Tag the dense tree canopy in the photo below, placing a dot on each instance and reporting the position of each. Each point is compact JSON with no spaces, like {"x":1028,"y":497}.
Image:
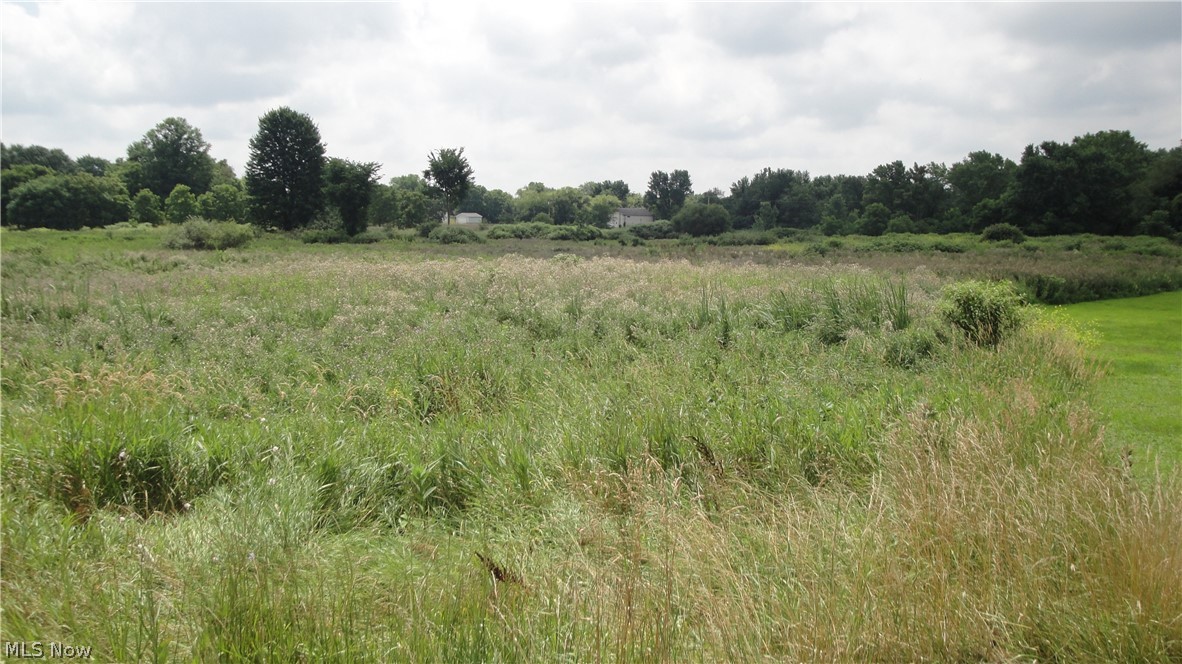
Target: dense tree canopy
{"x":349,"y":187}
{"x":68,"y":202}
{"x":667,"y":192}
{"x":700,"y":219}
{"x":36,"y":155}
{"x":284,"y":175}
{"x":171,"y":153}
{"x":223,"y":202}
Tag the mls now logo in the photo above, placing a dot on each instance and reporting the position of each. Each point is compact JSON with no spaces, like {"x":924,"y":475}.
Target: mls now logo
{"x":37,"y":650}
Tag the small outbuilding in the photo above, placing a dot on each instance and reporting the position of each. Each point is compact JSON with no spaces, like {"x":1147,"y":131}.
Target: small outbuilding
{"x":625,"y":217}
{"x":469,"y":218}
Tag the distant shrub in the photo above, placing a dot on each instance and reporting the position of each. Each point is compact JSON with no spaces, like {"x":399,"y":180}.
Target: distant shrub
{"x":324,"y":236}
{"x":658,"y":230}
{"x":428,"y":227}
{"x":199,"y":233}
{"x":542,"y":218}
{"x":986,"y":312}
{"x":521,"y":231}
{"x":574,"y":233}
{"x":1003,"y":232}
{"x":948,"y":247}
{"x":373,"y":234}
{"x":453,"y":235}
{"x":744,"y":238}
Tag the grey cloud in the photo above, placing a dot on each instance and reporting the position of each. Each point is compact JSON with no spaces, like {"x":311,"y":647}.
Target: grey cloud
{"x":1094,"y":27}
{"x":764,"y":29}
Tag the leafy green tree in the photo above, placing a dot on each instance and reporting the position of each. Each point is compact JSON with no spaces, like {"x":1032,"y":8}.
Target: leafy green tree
{"x":131,"y":173}
{"x":414,"y":209}
{"x":874,"y":220}
{"x":409,"y":182}
{"x":449,"y":177}
{"x":617,"y":188}
{"x":495,"y":205}
{"x":67,"y":202}
{"x":223,"y":202}
{"x":532,"y":200}
{"x":981,"y":176}
{"x":698,"y":219}
{"x":223,"y":173}
{"x":171,"y":153}
{"x":667,"y":192}
{"x":12,"y":178}
{"x":96,"y":166}
{"x":146,"y":208}
{"x":181,"y":204}
{"x":383,"y":206}
{"x":714,"y":195}
{"x":599,"y":210}
{"x":36,"y":155}
{"x":284,"y":174}
{"x":565,"y":205}
{"x":348,"y":187}
{"x":887,"y":185}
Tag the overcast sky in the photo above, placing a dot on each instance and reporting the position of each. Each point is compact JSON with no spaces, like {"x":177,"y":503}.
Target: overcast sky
{"x":563,"y":94}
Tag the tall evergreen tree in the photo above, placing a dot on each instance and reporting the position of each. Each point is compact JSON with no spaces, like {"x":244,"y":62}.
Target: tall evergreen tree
{"x":284,"y":175}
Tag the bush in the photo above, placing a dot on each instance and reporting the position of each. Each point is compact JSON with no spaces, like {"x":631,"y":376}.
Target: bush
{"x":522,"y":231}
{"x":908,"y":348}
{"x":1003,"y":232}
{"x":68,"y":202}
{"x":574,"y":233}
{"x":744,"y":238}
{"x":373,"y":234}
{"x":697,"y":219}
{"x":324,"y":236}
{"x":428,"y":227}
{"x":658,"y":230}
{"x":453,"y":235}
{"x":986,"y":312}
{"x":198,"y":233}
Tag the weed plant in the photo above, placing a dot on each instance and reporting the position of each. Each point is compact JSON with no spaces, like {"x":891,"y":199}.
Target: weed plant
{"x":363,"y":453}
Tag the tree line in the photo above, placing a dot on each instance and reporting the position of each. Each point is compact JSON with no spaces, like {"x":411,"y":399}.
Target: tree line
{"x":1106,"y":183}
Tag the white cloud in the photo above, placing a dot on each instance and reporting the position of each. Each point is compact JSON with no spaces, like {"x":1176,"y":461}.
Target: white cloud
{"x":564,"y":93}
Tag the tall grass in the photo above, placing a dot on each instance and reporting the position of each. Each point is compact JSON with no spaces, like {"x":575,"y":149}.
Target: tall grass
{"x":355,"y":453}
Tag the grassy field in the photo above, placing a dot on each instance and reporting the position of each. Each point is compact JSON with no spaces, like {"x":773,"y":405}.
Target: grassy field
{"x":1140,"y":341}
{"x":408,"y":452}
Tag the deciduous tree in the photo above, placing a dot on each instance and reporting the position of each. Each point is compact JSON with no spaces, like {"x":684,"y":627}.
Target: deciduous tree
{"x":699,"y":219}
{"x":449,"y":177}
{"x":349,"y":187}
{"x":171,"y":153}
{"x":181,"y":204}
{"x":667,"y":192}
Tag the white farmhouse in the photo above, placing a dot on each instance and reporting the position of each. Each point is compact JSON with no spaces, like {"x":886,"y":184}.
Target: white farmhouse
{"x":630,"y":217}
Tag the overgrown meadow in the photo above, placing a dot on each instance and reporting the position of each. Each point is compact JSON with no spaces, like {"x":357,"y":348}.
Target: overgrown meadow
{"x":375,"y":453}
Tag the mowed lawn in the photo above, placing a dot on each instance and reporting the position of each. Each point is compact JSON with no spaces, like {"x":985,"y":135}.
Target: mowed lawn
{"x":1141,"y":392}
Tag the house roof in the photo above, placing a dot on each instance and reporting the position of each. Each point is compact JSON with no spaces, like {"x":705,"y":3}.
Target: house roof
{"x":634,"y":212}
